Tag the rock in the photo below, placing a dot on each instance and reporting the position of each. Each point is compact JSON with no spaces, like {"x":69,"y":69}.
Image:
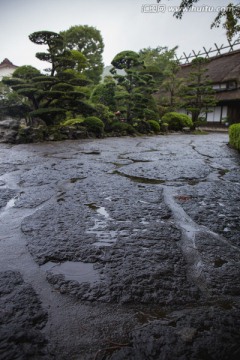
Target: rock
{"x":22,"y":319}
{"x":171,"y":338}
{"x":28,"y":134}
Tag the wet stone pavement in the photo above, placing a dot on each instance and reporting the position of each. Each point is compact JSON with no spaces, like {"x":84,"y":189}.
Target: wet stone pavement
{"x":120,"y":248}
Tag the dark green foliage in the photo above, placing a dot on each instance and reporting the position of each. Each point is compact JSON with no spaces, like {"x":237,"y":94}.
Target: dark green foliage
{"x":172,"y":86}
{"x":49,"y":95}
{"x":26,"y":72}
{"x":121,"y":128}
{"x":62,"y":87}
{"x":154,"y":125}
{"x":57,"y":55}
{"x":71,"y":122}
{"x":87,"y":40}
{"x":156,"y":60}
{"x":198,"y":95}
{"x":13,"y":108}
{"x":55,"y":49}
{"x":142,"y":126}
{"x":150,"y":114}
{"x":104,"y":114}
{"x":126,"y":60}
{"x":49,"y":38}
{"x":134,"y":92}
{"x":11,"y":103}
{"x":49,"y":115}
{"x":234,"y":136}
{"x":176,"y":121}
{"x":94,"y":125}
{"x":105,"y":94}
{"x":32,"y":134}
{"x":230,"y":15}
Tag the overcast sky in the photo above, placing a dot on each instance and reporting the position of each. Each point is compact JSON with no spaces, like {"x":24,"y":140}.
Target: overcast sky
{"x":124,"y":25}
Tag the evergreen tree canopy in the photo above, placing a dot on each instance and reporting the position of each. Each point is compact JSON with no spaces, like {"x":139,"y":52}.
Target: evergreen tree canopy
{"x":197,"y":94}
{"x":89,"y":42}
{"x":134,"y":93}
{"x":50,"y":96}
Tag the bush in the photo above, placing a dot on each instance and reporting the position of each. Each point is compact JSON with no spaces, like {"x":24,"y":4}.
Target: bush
{"x":104,"y":113}
{"x":94,"y":125}
{"x":150,"y":114}
{"x":71,"y":122}
{"x":122,"y":127}
{"x":142,"y":126}
{"x":177,"y":121}
{"x":164,"y":127}
{"x":154,"y":125}
{"x":234,"y":136}
{"x":49,"y":115}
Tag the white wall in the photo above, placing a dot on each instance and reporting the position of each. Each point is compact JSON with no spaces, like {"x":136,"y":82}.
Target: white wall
{"x":218,"y":113}
{"x":6,"y":71}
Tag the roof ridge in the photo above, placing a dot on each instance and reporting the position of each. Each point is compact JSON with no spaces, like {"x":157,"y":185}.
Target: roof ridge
{"x":7,"y":62}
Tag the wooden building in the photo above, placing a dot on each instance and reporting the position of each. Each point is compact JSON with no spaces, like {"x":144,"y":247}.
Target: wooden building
{"x":224,"y":73}
{"x":223,"y":69}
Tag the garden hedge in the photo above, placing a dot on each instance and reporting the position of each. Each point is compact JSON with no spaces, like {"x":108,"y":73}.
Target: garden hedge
{"x":234,"y":136}
{"x":177,"y":121}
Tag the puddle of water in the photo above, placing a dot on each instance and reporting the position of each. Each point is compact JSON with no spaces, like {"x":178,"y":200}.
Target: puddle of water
{"x":10,"y":204}
{"x":105,"y":237}
{"x":103,"y":243}
{"x":8,"y":180}
{"x":71,"y":270}
{"x":144,"y":221}
{"x":99,"y":209}
{"x":102,"y":211}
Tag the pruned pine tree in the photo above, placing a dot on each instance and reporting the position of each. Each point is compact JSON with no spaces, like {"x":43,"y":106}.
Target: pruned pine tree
{"x":198,"y":95}
{"x":135,"y":87}
{"x":61,"y":89}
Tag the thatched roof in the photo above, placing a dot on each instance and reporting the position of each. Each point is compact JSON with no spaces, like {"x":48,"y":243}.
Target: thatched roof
{"x":228,"y":95}
{"x":221,"y":68}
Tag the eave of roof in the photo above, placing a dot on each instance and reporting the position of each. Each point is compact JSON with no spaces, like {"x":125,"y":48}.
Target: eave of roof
{"x":221,"y":68}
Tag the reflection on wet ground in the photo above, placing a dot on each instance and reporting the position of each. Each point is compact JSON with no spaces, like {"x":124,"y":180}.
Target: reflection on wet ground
{"x":78,"y":271}
{"x":136,"y":240}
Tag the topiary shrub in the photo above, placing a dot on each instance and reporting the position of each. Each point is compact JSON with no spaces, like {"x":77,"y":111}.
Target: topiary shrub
{"x":122,"y":128}
{"x":234,"y":136}
{"x":142,"y":126}
{"x":71,"y":122}
{"x":150,"y":114}
{"x":177,"y":121}
{"x":94,"y":125}
{"x":164,"y":127}
{"x":104,"y":114}
{"x":154,"y":125}
{"x":49,"y":115}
